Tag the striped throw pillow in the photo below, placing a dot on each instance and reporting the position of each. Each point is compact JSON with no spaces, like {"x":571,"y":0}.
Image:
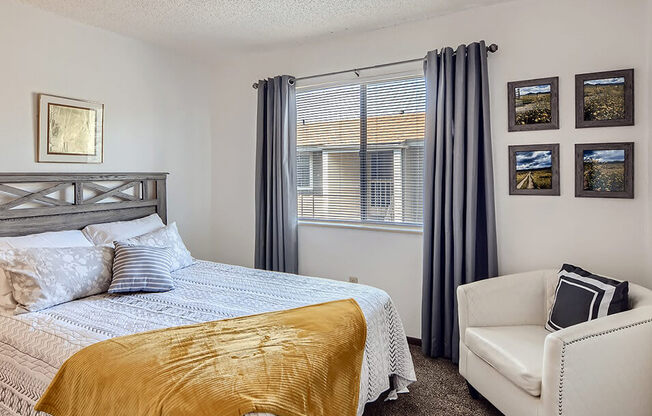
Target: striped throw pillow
{"x":141,"y":269}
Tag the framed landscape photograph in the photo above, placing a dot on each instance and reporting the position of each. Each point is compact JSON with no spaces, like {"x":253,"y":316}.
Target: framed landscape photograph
{"x":70,"y":131}
{"x":604,"y":99}
{"x":534,"y":169}
{"x":604,"y":170}
{"x":533,"y":104}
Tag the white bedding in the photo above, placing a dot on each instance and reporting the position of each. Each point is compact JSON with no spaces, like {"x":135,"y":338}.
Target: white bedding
{"x":34,"y":345}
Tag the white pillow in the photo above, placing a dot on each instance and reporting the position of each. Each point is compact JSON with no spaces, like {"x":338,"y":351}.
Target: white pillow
{"x":7,"y":301}
{"x":56,"y":239}
{"x":72,"y":238}
{"x":44,"y":277}
{"x":105,"y":234}
{"x":167,"y":237}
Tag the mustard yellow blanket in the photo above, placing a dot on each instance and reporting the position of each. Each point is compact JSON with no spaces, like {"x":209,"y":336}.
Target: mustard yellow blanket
{"x":298,"y":362}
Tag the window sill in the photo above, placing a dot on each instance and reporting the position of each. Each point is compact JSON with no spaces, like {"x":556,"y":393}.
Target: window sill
{"x":407,"y":229}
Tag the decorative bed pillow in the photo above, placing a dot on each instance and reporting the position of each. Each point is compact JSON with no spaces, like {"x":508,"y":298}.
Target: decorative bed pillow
{"x":106,"y":234}
{"x":72,"y":238}
{"x":7,"y":302}
{"x":166,"y":237}
{"x":44,"y":277}
{"x":141,"y":269}
{"x":582,"y":296}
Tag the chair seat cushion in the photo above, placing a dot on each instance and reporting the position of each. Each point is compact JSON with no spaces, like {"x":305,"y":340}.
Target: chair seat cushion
{"x":514,"y":351}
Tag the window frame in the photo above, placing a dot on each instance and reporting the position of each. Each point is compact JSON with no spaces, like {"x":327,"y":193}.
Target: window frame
{"x":415,"y":71}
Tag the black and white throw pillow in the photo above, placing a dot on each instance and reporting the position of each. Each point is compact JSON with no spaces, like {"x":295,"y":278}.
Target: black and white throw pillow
{"x":141,"y":269}
{"x":581,"y":296}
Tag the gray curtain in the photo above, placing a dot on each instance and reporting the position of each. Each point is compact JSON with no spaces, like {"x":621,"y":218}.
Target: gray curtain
{"x":276,"y":190}
{"x":459,"y":227}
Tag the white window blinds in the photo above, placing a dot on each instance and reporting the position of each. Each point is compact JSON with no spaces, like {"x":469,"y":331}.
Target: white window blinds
{"x":360,"y":152}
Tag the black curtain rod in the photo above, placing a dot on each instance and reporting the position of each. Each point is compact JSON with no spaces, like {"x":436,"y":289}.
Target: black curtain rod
{"x":491,"y":48}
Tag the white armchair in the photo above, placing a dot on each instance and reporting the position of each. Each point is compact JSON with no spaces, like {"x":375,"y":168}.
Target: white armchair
{"x":602,"y":367}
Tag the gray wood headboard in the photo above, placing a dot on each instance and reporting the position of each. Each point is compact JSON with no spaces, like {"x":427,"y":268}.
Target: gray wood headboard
{"x":40,"y":202}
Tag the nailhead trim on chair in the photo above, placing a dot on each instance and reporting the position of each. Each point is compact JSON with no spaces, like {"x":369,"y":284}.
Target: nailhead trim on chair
{"x":563,"y":354}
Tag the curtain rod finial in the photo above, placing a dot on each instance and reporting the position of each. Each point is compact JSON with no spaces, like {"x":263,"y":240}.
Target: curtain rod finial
{"x":255,"y":85}
{"x":492,"y":48}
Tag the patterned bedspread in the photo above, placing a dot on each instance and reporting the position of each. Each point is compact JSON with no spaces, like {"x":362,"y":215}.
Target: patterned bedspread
{"x":34,"y":345}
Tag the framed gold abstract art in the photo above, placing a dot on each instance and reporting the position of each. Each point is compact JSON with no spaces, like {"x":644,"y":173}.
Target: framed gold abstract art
{"x":70,"y":131}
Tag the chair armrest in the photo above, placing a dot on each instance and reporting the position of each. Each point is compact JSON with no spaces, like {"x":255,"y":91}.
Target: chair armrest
{"x":602,"y":367}
{"x":516,"y":299}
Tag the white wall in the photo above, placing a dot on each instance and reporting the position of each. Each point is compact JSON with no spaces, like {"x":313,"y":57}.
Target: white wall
{"x":536,"y":39}
{"x":157,"y":107}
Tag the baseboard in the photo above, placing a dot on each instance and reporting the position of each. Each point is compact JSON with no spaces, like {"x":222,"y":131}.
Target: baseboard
{"x":414,"y":341}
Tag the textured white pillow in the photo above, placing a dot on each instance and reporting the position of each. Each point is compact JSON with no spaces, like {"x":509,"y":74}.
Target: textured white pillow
{"x":167,"y":237}
{"x":44,"y":277}
{"x":7,"y":302}
{"x":105,"y":234}
{"x":72,"y":238}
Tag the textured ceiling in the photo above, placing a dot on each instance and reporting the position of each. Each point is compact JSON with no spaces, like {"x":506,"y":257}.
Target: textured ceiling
{"x":210,"y":27}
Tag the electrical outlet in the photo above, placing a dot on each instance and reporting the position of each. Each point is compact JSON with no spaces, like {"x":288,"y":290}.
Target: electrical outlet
{"x":353,"y":279}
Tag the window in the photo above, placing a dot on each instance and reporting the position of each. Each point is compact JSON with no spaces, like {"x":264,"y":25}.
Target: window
{"x":360,"y":152}
{"x":381,"y":181}
{"x":304,"y":171}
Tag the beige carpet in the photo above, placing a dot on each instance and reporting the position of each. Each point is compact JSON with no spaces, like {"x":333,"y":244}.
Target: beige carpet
{"x":440,"y":390}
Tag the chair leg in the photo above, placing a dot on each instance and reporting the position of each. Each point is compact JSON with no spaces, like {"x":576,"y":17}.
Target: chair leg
{"x":475,"y":395}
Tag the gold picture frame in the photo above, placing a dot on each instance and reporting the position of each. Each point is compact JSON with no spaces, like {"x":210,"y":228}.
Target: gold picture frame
{"x":70,"y":130}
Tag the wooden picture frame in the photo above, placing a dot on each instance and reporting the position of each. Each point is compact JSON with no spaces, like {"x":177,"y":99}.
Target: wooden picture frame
{"x":605,"y":104}
{"x":70,"y":130}
{"x":604,"y":154}
{"x":544,"y":162}
{"x":542,"y":89}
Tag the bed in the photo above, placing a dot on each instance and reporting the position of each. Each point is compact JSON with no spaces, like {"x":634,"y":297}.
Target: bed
{"x":34,"y":345}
